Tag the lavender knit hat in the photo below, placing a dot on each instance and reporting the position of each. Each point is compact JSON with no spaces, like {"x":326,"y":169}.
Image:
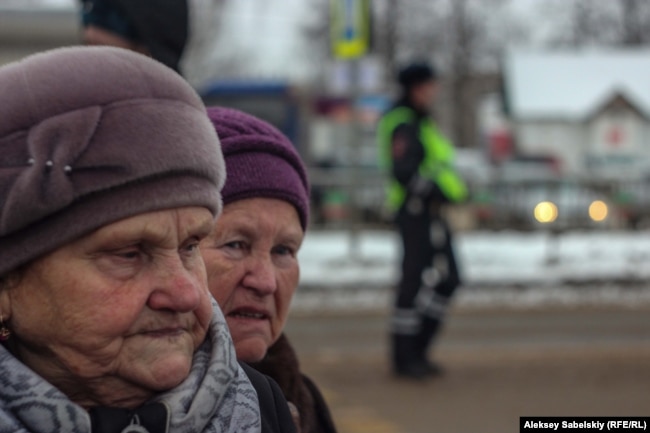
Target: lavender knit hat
{"x":260,"y":161}
{"x":92,"y":135}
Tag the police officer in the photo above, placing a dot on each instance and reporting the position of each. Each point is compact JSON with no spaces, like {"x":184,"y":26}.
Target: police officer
{"x":419,"y":160}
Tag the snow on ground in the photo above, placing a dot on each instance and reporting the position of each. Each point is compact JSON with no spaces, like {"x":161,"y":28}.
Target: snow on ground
{"x":499,"y":268}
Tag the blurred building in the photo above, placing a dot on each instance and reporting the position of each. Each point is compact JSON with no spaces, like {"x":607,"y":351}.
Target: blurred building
{"x":588,"y":110}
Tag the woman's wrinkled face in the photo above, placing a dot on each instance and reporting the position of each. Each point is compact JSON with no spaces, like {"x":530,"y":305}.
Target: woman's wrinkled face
{"x":253,"y":272}
{"x":116,"y":315}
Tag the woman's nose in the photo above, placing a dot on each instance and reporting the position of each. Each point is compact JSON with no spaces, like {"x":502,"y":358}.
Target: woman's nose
{"x":260,"y":275}
{"x":177,"y":287}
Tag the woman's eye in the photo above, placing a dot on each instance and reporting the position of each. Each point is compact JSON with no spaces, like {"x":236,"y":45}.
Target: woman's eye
{"x":191,"y":247}
{"x":130,"y":254}
{"x":120,"y":258}
{"x":235,"y":245}
{"x":234,"y":249}
{"x":283,"y":250}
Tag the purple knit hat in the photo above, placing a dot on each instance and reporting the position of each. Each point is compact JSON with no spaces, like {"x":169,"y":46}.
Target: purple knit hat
{"x":260,"y":161}
{"x":92,"y":135}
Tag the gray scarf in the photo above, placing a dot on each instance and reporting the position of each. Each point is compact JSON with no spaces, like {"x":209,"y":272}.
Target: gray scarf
{"x":216,"y":397}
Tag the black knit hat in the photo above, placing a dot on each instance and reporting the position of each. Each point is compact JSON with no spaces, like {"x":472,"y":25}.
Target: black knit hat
{"x":416,"y":73}
{"x":161,"y":26}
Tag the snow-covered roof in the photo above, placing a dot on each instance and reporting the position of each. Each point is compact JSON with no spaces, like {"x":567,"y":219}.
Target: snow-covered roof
{"x":572,"y":84}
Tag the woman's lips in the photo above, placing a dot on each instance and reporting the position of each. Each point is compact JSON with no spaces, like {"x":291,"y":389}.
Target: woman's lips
{"x":165,"y":332}
{"x":249,"y":313}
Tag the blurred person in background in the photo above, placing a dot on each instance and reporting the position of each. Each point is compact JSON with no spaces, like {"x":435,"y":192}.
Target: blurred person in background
{"x":110,"y":176}
{"x":422,"y":180}
{"x":179,"y":33}
{"x":251,"y":255}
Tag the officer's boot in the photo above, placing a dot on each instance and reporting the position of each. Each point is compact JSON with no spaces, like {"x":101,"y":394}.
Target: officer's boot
{"x":429,"y":330}
{"x":406,"y":362}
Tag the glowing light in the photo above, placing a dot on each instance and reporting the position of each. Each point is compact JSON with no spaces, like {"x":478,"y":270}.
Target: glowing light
{"x":598,"y":210}
{"x":545,"y":212}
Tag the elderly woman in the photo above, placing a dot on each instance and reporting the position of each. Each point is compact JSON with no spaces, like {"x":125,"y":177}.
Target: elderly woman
{"x":251,"y":255}
{"x":110,"y":174}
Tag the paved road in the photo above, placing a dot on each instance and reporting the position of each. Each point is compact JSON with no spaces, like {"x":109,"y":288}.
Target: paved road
{"x":501,"y":364}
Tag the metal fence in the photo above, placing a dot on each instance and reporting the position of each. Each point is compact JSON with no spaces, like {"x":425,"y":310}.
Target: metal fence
{"x":353,"y":197}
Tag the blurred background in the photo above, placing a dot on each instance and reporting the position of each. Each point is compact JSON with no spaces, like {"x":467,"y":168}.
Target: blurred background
{"x":546,"y":100}
{"x":548,"y":104}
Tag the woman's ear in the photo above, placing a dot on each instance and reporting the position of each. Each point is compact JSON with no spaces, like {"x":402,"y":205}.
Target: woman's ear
{"x":7,"y":284}
{"x":5,"y":301}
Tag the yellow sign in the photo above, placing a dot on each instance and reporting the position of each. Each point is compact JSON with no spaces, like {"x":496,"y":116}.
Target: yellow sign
{"x":350,"y":28}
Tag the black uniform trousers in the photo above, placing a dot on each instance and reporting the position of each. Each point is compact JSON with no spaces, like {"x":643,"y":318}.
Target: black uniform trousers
{"x":429,"y":278}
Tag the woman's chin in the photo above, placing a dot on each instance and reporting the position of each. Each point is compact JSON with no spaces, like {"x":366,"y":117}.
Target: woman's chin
{"x":251,"y":350}
{"x":162,"y":374}
{"x":171,"y":374}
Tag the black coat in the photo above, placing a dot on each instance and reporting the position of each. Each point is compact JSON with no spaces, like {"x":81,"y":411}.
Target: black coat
{"x":281,"y":363}
{"x":274,"y":410}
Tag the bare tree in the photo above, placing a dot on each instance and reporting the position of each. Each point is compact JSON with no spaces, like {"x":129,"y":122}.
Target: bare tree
{"x":635,"y":22}
{"x":464,"y":30}
{"x":463,"y":38}
{"x":315,"y":29}
{"x":581,"y":23}
{"x":403,"y":31}
{"x":420,"y":29}
{"x":385,"y":31}
{"x":390,"y":24}
{"x":473,"y":44}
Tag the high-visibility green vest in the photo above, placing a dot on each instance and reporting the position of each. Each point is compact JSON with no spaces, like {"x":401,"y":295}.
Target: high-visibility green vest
{"x":437,"y":164}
